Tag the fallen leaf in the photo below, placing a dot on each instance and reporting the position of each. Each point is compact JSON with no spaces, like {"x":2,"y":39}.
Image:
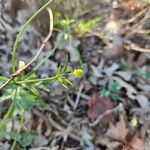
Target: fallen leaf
{"x":126,"y":75}
{"x":98,"y":106}
{"x":146,"y":143}
{"x":96,"y":72}
{"x":135,"y":144}
{"x":40,"y":141}
{"x":109,"y":71}
{"x":143,"y":101}
{"x":118,"y":132}
{"x":105,"y":141}
{"x":129,"y":5}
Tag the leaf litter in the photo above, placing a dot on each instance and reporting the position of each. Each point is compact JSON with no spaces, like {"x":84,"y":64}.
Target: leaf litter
{"x":109,"y":57}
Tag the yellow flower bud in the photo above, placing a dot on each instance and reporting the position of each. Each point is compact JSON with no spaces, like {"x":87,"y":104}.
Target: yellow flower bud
{"x":77,"y":72}
{"x":21,"y":65}
{"x":134,"y":122}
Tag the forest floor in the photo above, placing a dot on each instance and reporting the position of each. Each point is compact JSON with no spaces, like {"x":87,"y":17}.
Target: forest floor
{"x":109,"y":107}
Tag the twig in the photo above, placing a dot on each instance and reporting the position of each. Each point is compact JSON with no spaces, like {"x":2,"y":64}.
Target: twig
{"x":8,"y":81}
{"x":116,"y":109}
{"x":38,"y":53}
{"x":78,"y":97}
{"x":135,"y":17}
{"x":55,"y":124}
{"x":136,"y":48}
{"x":139,"y":30}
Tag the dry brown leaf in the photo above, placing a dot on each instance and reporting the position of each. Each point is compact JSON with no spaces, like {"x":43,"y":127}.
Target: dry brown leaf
{"x":105,"y":141}
{"x":98,"y":106}
{"x":129,"y":5}
{"x":118,"y":132}
{"x":146,"y":143}
{"x":135,"y":144}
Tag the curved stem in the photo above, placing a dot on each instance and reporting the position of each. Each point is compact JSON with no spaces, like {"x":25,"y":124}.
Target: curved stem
{"x":21,"y":33}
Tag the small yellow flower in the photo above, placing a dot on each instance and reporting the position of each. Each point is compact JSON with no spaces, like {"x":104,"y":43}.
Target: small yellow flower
{"x":21,"y":65}
{"x":77,"y":72}
{"x":66,"y":36}
{"x":112,"y":26}
{"x":134,"y":122}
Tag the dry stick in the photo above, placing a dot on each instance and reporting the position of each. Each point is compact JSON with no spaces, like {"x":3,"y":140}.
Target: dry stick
{"x":110,"y":111}
{"x":135,"y":17}
{"x":136,"y":48}
{"x":146,"y":15}
{"x":54,"y":124}
{"x":8,"y":81}
{"x":38,"y":53}
{"x":132,"y":45}
{"x":78,"y":97}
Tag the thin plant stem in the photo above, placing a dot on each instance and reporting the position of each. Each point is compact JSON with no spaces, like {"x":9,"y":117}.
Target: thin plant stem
{"x":38,"y":80}
{"x":50,"y":79}
{"x":22,"y":31}
{"x":15,"y":141}
{"x":10,"y":110}
{"x":15,"y":74}
{"x":42,"y":46}
{"x":7,"y":115}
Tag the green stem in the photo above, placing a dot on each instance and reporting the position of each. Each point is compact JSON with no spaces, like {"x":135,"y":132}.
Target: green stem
{"x":7,"y":115}
{"x":15,"y":141}
{"x":21,"y":33}
{"x":3,"y":78}
{"x":51,"y":79}
{"x":10,"y":110}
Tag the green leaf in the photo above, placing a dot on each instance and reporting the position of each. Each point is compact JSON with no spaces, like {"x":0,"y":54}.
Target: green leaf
{"x":124,"y":66}
{"x":8,"y":90}
{"x":64,"y":82}
{"x":58,"y":72}
{"x":2,"y":134}
{"x":27,"y":103}
{"x":27,"y":100}
{"x":114,"y":86}
{"x":18,"y":104}
{"x":143,"y":75}
{"x":2,"y":78}
{"x":3,"y":129}
{"x":82,"y":28}
{"x":45,"y":88}
{"x":35,"y":91}
{"x":65,"y":66}
{"x":15,"y":135}
{"x":4,"y":97}
{"x":64,"y":23}
{"x":26,"y":139}
{"x":105,"y":93}
{"x":115,"y":97}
